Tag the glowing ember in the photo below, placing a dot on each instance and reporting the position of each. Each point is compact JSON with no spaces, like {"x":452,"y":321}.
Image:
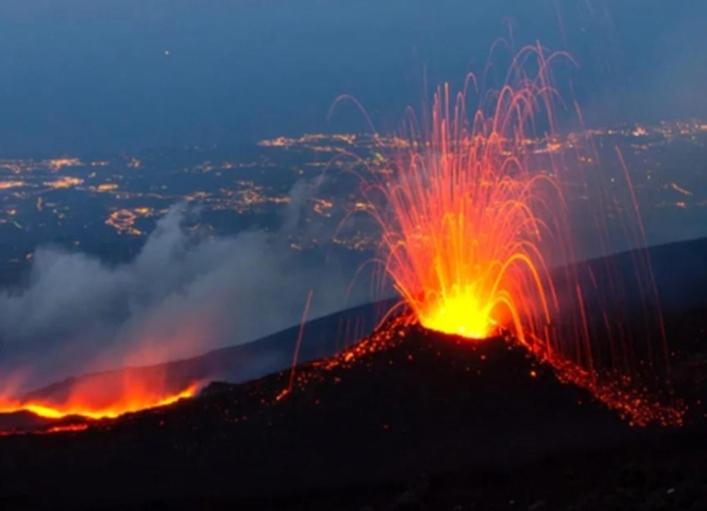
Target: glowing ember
{"x":67,"y":428}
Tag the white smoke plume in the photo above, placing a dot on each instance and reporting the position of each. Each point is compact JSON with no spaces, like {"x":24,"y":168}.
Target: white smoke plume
{"x":181,"y":295}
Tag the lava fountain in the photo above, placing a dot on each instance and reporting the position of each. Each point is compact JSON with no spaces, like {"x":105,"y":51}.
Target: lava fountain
{"x":477,"y":239}
{"x":462,"y":239}
{"x":464,"y":219}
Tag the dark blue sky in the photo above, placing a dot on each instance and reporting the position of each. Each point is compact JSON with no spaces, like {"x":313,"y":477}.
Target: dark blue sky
{"x":92,"y":76}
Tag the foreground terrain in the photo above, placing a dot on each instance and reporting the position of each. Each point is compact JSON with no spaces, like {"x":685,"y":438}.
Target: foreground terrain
{"x":404,"y":419}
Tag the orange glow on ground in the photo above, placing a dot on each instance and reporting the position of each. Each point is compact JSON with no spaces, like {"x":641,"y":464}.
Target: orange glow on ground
{"x":67,"y":428}
{"x":83,"y":406}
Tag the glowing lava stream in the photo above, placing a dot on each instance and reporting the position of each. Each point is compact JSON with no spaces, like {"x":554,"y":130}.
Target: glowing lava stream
{"x":124,"y":405}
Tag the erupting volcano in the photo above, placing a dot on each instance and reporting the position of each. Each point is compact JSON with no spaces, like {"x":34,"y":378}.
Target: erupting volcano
{"x":477,"y":238}
{"x":465,"y":226}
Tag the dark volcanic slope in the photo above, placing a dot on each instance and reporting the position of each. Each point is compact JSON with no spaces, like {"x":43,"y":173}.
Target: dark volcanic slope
{"x":679,"y":273}
{"x":429,"y":422}
{"x":454,"y":422}
{"x":679,"y":270}
{"x":325,"y":337}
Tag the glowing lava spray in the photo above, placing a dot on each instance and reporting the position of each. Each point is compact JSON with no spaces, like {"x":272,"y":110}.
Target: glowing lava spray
{"x":473,"y":209}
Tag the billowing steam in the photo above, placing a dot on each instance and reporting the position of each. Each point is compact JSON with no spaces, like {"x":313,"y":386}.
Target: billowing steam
{"x":182,"y":294}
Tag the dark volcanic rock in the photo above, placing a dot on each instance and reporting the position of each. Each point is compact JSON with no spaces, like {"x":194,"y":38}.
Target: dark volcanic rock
{"x":413,"y":421}
{"x":326,"y":336}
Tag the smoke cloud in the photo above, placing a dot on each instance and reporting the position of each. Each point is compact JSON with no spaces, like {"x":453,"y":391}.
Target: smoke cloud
{"x":182,"y":294}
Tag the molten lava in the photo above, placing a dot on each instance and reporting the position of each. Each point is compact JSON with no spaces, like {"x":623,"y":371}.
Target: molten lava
{"x":467,"y":258}
{"x":463,"y":219}
{"x":474,"y":210}
{"x":460,"y":312}
{"x":95,"y":395}
{"x":96,"y":403}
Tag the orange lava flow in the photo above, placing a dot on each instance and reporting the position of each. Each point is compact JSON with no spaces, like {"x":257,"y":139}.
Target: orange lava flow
{"x":87,"y":407}
{"x":67,"y":428}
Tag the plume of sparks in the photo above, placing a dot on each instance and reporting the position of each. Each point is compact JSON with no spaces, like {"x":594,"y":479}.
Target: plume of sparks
{"x":475,"y":219}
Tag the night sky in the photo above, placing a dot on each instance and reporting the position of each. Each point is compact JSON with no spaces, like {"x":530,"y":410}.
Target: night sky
{"x":94,"y":77}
